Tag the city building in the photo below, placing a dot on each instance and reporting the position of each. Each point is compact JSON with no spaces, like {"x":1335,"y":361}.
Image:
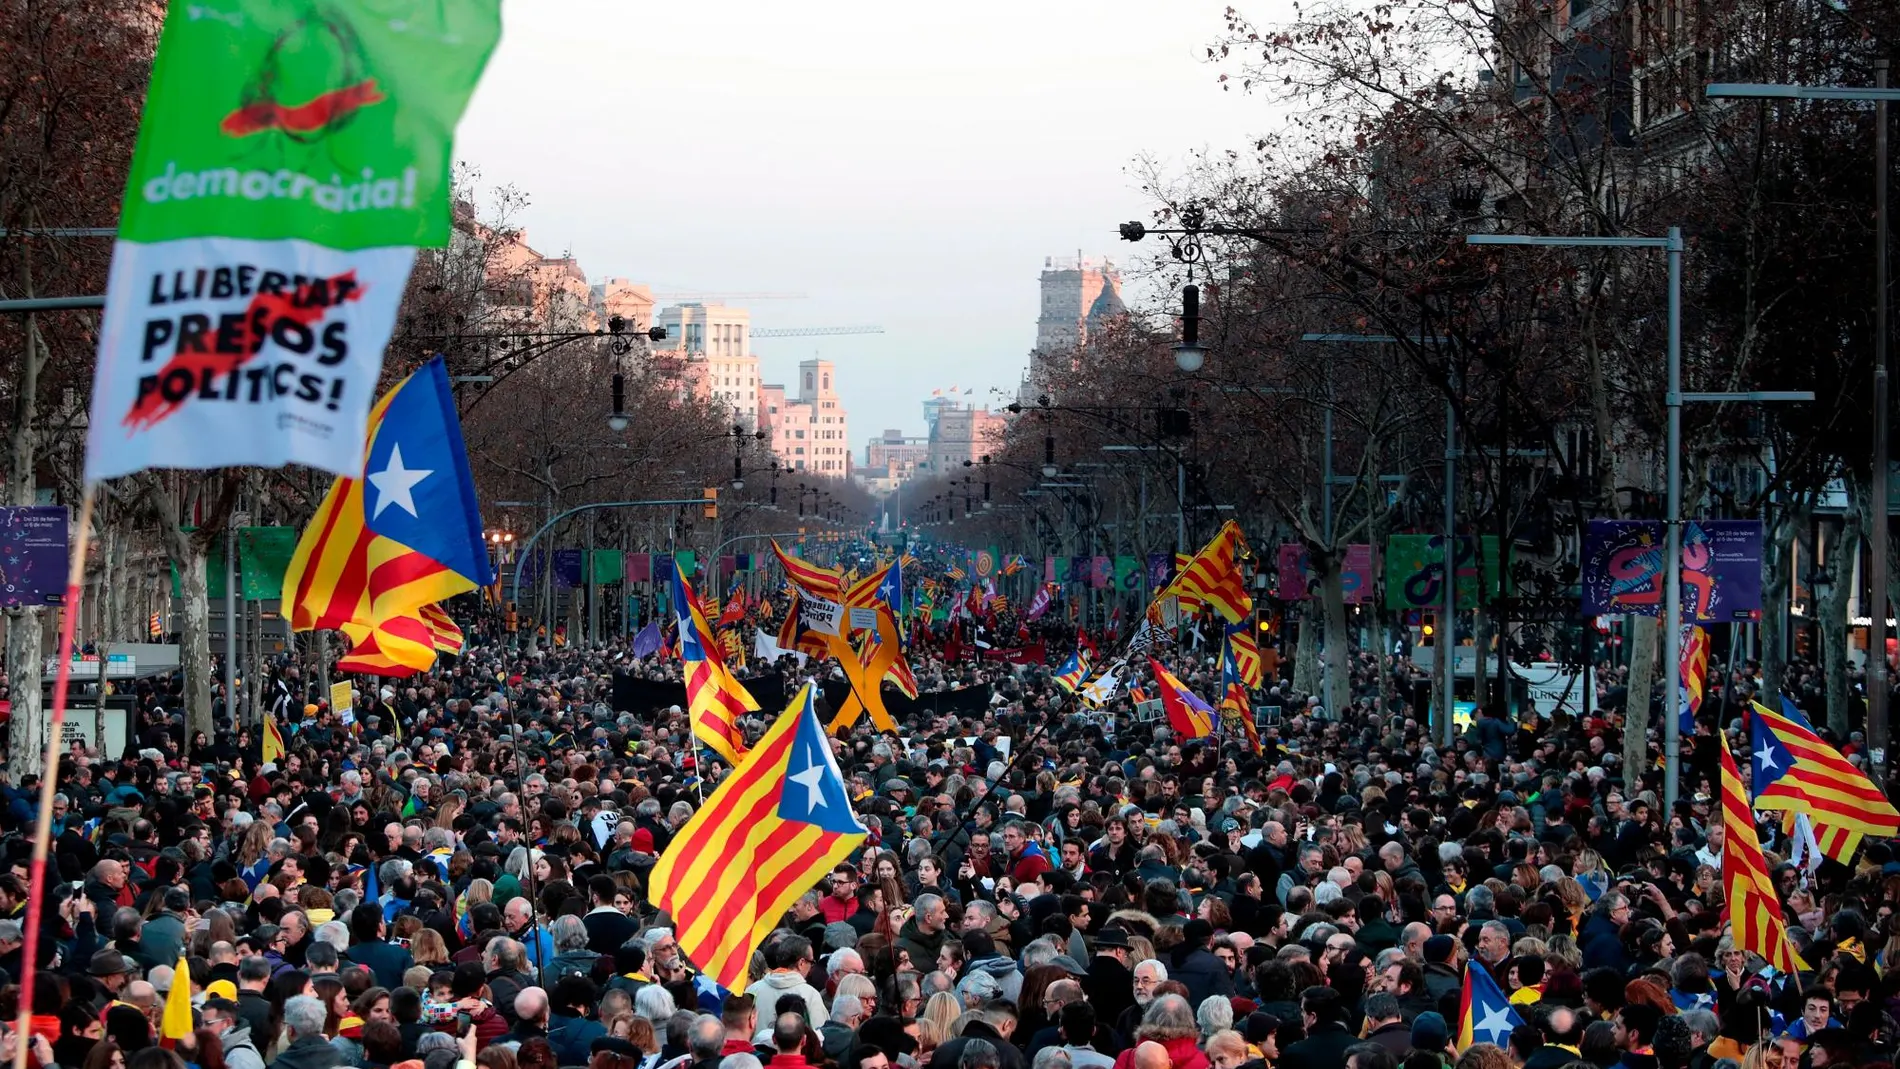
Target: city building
{"x":808,"y":432}
{"x":890,"y":460}
{"x":712,"y":345}
{"x":1079,"y":296}
{"x":960,"y":433}
{"x":619,"y":297}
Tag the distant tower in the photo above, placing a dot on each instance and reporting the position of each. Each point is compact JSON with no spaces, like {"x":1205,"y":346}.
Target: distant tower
{"x":1078,"y":296}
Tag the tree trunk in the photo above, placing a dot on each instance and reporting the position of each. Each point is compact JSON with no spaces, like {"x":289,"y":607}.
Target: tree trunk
{"x":1645,"y":637}
{"x":1777,"y":557}
{"x":194,"y":639}
{"x":1832,"y":618}
{"x":1306,"y":652}
{"x":1338,"y":642}
{"x":26,"y":736}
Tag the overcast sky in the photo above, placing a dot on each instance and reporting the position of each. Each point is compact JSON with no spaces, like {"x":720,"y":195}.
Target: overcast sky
{"x":903,"y":165}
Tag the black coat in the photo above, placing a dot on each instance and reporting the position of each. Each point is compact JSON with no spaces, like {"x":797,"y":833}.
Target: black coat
{"x":950,"y":1054}
{"x":1323,"y":1048}
{"x":1110,"y":987}
{"x":1204,"y":976}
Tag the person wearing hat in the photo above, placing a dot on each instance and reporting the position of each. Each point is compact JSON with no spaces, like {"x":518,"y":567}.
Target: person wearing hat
{"x":1110,"y":981}
{"x":1442,"y":976}
{"x":111,"y":970}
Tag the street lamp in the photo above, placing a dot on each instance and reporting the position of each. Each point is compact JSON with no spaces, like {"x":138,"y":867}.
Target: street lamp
{"x":1190,"y":354}
{"x":1876,"y":586}
{"x":617,"y":420}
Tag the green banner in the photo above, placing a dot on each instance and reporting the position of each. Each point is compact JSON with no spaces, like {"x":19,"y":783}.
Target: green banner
{"x":606,"y":566}
{"x":263,"y":556}
{"x":1415,"y":566}
{"x":269,"y":120}
{"x":688,"y":561}
{"x":1128,"y":573}
{"x":214,"y":573}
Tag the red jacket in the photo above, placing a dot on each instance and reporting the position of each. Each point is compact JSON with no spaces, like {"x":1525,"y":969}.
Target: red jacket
{"x":1183,"y":1053}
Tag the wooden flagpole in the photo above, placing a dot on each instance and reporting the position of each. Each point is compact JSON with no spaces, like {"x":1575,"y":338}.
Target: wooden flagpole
{"x":49,"y":774}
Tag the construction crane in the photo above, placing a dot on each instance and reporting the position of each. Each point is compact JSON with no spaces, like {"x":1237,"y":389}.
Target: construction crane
{"x":690,"y":297}
{"x":814,"y":332}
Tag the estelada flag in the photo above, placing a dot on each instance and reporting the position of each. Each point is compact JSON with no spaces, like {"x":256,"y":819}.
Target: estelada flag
{"x":402,"y":533}
{"x":767,"y":835}
{"x":290,"y":162}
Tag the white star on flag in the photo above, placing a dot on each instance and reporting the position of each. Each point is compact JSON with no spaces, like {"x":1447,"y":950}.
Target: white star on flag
{"x":1765,"y":757}
{"x":395,"y":484}
{"x":1496,"y":1021}
{"x":809,"y":779}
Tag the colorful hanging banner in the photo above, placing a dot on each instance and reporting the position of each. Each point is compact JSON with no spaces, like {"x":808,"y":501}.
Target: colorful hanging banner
{"x":263,"y":555}
{"x":1299,"y":582}
{"x":1415,"y":568}
{"x":291,"y":160}
{"x":1721,"y":569}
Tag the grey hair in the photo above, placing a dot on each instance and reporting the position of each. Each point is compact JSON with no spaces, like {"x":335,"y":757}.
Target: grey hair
{"x":1450,"y":852}
{"x":707,"y":1037}
{"x":394,"y":871}
{"x":844,"y":1007}
{"x":1153,"y":966}
{"x":1479,"y":897}
{"x":570,"y":934}
{"x":304,"y":1015}
{"x":1052,"y":1057}
{"x":1215,"y":1015}
{"x":655,"y":1003}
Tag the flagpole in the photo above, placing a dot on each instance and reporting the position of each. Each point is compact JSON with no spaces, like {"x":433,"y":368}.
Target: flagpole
{"x":49,"y":773}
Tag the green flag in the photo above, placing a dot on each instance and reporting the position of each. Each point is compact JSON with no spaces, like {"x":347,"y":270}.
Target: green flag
{"x":263,"y":556}
{"x":292,"y":158}
{"x":606,"y":566}
{"x":1415,"y":565}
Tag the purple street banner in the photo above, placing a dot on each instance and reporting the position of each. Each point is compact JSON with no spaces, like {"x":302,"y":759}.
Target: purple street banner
{"x":639,"y":567}
{"x":1721,"y":569}
{"x":567,"y":568}
{"x":1101,"y":572}
{"x":1160,"y":569}
{"x":1049,"y":570}
{"x":1298,"y":581}
{"x":33,"y":555}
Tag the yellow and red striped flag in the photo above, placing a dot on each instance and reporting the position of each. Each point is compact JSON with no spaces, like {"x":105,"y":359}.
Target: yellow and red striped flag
{"x":273,"y":740}
{"x":448,"y":636}
{"x":1754,"y":909}
{"x":1246,"y":651}
{"x":715,"y":699}
{"x":765,"y":837}
{"x":397,"y":647}
{"x":1213,"y":576}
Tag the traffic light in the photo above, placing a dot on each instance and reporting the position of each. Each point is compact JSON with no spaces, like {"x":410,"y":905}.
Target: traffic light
{"x":1428,"y":626}
{"x":711,"y":509}
{"x":514,"y":620}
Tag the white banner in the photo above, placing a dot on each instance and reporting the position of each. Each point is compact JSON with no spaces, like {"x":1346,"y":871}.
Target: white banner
{"x":863,"y":619}
{"x":824,"y":617}
{"x":227,"y":351}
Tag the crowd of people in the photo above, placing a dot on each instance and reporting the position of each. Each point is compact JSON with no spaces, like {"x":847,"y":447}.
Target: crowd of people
{"x":457,"y":873}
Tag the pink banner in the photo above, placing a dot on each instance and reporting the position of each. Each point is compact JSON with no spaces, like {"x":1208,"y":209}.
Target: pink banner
{"x":1298,"y":583}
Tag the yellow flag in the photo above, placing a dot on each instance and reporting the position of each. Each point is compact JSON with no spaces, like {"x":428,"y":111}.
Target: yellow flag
{"x":273,"y":740}
{"x":177,"y":1020}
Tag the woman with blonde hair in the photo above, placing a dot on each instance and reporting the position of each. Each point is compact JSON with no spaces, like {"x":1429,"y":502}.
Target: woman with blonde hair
{"x":943,"y":1010}
{"x":429,"y":948}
